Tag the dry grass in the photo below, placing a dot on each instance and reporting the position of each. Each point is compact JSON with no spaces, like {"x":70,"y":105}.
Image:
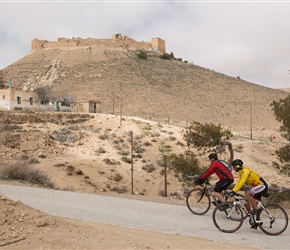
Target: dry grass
{"x":21,"y":170}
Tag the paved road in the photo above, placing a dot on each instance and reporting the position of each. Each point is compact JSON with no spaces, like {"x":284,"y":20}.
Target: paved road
{"x":151,"y":216}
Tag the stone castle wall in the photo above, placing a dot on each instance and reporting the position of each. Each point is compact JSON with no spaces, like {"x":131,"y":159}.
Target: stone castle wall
{"x":117,"y":40}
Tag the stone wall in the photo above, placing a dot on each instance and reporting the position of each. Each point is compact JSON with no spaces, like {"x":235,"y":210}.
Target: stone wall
{"x":117,"y":40}
{"x":57,"y":117}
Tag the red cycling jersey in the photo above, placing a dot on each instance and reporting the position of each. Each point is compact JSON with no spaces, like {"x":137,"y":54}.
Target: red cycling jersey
{"x":219,"y":169}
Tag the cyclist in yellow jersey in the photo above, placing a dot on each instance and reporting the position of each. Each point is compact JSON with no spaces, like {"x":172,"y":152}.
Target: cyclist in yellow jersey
{"x":247,"y":176}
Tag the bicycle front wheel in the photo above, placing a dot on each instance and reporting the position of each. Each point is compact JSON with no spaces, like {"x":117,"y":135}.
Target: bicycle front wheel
{"x":197,"y":201}
{"x":273,"y":220}
{"x":227,"y":217}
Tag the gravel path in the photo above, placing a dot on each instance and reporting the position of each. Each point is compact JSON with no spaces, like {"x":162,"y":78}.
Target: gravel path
{"x":151,"y":216}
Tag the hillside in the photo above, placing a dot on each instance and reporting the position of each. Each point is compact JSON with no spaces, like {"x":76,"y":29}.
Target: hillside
{"x":90,"y":152}
{"x":152,"y":88}
{"x":87,"y":153}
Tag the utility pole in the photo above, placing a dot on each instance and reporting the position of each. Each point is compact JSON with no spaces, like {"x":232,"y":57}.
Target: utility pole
{"x":113,"y":102}
{"x":132,"y":146}
{"x":121,"y":105}
{"x":251,"y":123}
{"x":165,"y":176}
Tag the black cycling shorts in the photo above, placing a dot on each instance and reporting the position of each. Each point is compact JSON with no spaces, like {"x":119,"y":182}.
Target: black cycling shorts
{"x":222,"y":185}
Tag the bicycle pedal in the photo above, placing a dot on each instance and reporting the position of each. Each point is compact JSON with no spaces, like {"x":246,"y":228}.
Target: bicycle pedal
{"x":255,"y":226}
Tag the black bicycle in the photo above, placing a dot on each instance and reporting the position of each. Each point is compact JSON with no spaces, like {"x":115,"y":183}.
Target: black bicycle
{"x":199,"y":199}
{"x":272,"y":219}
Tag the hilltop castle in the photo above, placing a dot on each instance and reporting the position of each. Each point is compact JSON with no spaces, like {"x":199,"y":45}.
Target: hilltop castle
{"x":117,"y":41}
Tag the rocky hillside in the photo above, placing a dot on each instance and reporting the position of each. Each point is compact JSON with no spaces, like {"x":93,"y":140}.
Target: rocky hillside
{"x":147,"y":88}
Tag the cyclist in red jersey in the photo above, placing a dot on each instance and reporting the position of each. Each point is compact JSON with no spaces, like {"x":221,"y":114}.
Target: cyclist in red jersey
{"x":226,"y":178}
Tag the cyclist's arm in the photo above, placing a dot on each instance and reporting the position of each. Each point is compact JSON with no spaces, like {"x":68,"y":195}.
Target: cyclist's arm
{"x":241,"y":181}
{"x":208,"y":172}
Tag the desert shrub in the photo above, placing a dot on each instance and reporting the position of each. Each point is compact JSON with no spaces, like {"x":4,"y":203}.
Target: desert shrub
{"x":117,"y":177}
{"x":119,"y":189}
{"x":10,"y":127}
{"x":165,"y":149}
{"x":172,"y":138}
{"x":101,"y":150}
{"x":180,"y":143}
{"x":155,"y":134}
{"x":109,"y":162}
{"x":126,"y":159}
{"x":124,"y":145}
{"x":139,"y":137}
{"x":160,"y":162}
{"x":149,"y":168}
{"x":20,"y":170}
{"x":59,"y":165}
{"x":23,"y":157}
{"x":142,"y":55}
{"x":279,"y":197}
{"x":138,"y":149}
{"x":123,"y":152}
{"x":147,"y":143}
{"x":283,"y":169}
{"x":74,"y":127}
{"x":79,"y":172}
{"x":161,"y":193}
{"x":185,"y":164}
{"x":176,"y":195}
{"x":33,"y":161}
{"x":70,"y":168}
{"x":104,"y":136}
{"x":41,"y":155}
{"x":137,"y":156}
{"x":167,"y":56}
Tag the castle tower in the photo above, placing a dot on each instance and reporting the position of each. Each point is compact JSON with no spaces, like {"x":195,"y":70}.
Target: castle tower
{"x":159,"y":44}
{"x":37,"y":44}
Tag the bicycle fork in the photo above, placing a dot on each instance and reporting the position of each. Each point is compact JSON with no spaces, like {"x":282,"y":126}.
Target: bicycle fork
{"x":201,"y":196}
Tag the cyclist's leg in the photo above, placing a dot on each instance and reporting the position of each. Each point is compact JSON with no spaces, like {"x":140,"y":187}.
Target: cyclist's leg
{"x":219,"y":187}
{"x":255,"y":193}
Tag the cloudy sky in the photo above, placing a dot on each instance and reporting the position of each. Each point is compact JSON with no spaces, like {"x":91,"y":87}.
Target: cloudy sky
{"x":249,"y":39}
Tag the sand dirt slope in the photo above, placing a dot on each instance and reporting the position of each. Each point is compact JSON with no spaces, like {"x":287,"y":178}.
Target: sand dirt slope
{"x":93,"y":164}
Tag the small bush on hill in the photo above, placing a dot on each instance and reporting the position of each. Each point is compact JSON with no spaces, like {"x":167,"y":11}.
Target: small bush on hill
{"x":142,"y":55}
{"x":20,"y":170}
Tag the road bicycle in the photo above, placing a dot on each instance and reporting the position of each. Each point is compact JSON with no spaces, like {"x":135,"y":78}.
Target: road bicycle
{"x":199,"y":199}
{"x":272,"y":219}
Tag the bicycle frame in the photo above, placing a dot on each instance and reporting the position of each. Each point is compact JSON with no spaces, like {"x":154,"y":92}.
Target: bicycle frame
{"x":253,"y":219}
{"x":208,"y":189}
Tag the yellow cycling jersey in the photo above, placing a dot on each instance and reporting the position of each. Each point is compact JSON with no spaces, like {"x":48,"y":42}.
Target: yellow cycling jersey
{"x":249,"y":177}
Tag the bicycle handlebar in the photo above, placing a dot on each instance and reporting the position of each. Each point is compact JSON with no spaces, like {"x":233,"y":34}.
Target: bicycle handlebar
{"x":206,"y":181}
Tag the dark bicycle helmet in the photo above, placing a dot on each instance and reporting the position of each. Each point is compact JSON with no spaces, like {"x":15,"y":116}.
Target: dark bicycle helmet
{"x":212,"y":156}
{"x":237,"y":163}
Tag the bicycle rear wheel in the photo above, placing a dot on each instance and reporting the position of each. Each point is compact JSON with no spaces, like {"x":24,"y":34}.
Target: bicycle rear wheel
{"x":197,"y":201}
{"x":227,"y":220}
{"x":273,"y":219}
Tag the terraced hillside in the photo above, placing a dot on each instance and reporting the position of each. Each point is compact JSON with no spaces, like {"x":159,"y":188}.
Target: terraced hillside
{"x":147,"y":88}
